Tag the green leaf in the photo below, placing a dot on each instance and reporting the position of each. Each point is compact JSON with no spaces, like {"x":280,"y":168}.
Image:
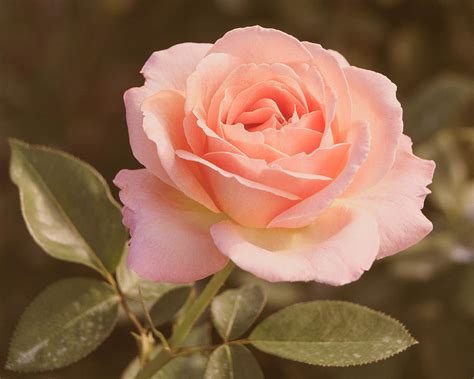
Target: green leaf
{"x":200,"y":335}
{"x":67,"y":206}
{"x":130,"y":283}
{"x":169,"y":304}
{"x":232,"y":362}
{"x":187,"y":367}
{"x":331,"y":333}
{"x":63,"y":324}
{"x":234,"y":311}
{"x":183,"y":367}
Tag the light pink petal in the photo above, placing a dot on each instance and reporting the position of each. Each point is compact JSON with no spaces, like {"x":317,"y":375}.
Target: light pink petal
{"x":241,"y":198}
{"x":396,"y":201}
{"x":257,"y":170}
{"x":313,"y":120}
{"x":195,"y":136}
{"x":293,"y":140}
{"x":264,"y":90}
{"x":215,"y":142}
{"x":169,"y":69}
{"x":267,"y":104}
{"x":336,"y":249}
{"x":170,"y":233}
{"x":374,"y":100}
{"x":271,"y":123}
{"x":255,"y":44}
{"x":325,"y":161}
{"x":255,"y":117}
{"x":203,"y":84}
{"x":334,"y":77}
{"x":322,"y":98}
{"x":331,"y":133}
{"x":339,"y":57}
{"x":251,"y":143}
{"x":238,"y":132}
{"x":306,"y":211}
{"x":143,"y":149}
{"x":202,"y":139}
{"x":163,"y":124}
{"x":248,"y":86}
{"x":278,"y":74}
{"x":312,"y":85}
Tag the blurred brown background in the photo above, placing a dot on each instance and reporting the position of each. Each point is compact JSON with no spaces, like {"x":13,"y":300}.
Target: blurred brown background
{"x":64,"y":65}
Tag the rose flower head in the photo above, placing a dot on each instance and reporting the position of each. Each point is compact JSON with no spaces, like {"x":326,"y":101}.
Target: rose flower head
{"x":274,"y":153}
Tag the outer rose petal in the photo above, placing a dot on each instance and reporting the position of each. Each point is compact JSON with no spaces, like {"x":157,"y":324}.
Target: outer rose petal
{"x":163,"y":124}
{"x":396,"y":201}
{"x":255,"y":44}
{"x":336,"y":249}
{"x":143,"y":149}
{"x":339,"y":57}
{"x":165,"y":69}
{"x":170,"y":233}
{"x":333,"y":75}
{"x":170,"y":68}
{"x":374,"y":100}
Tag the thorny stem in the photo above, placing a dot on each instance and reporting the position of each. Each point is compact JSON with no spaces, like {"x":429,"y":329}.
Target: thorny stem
{"x":189,"y":319}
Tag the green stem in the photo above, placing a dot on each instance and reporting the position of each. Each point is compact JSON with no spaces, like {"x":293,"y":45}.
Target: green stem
{"x":182,"y":330}
{"x":144,"y":342}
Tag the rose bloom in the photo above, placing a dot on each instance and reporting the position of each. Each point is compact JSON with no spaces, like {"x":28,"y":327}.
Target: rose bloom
{"x":274,"y":153}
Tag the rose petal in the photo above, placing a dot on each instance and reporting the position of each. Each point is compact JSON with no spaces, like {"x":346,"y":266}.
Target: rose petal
{"x":205,"y":81}
{"x":256,"y":116}
{"x":250,"y":85}
{"x":270,"y":89}
{"x":325,"y":161}
{"x":250,"y":143}
{"x":170,"y":233}
{"x":313,"y":121}
{"x":334,"y":77}
{"x":323,"y":98}
{"x":306,"y":211}
{"x":143,"y":149}
{"x":339,"y":57}
{"x":255,"y":44}
{"x":241,"y":198}
{"x":202,"y":139}
{"x":374,"y":100}
{"x":164,"y":114}
{"x":267,"y":104}
{"x":292,"y":140}
{"x":257,"y":170}
{"x":396,"y":201}
{"x":170,"y":68}
{"x":336,"y":249}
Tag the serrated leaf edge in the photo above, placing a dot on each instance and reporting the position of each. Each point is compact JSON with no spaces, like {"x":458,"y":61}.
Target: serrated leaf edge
{"x":7,"y":365}
{"x":93,"y":256}
{"x":411,"y":339}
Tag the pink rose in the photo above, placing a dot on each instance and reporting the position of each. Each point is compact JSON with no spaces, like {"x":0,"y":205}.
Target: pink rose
{"x":271,"y":152}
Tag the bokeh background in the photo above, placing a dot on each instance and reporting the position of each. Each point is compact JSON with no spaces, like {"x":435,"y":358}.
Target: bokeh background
{"x":64,"y":65}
